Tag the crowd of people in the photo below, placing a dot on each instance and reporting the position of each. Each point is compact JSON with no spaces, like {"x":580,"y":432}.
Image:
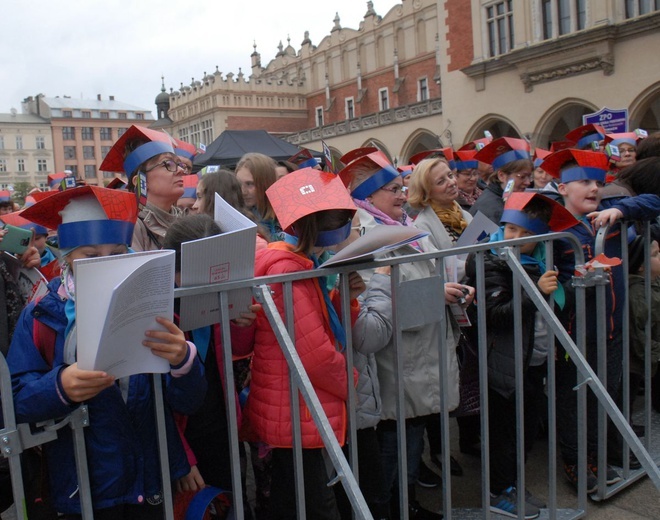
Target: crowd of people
{"x":305,"y":212}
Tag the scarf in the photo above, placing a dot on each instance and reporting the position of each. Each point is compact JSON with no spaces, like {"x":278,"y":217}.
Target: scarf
{"x":451,"y":217}
{"x":470,"y":199}
{"x":379,"y":216}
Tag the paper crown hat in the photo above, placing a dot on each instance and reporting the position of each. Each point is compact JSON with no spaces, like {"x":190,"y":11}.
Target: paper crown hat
{"x":502,"y":151}
{"x":630,"y":138}
{"x":477,"y":144}
{"x":584,"y":135}
{"x":5,"y":196}
{"x":116,"y":184}
{"x":18,"y":220}
{"x":304,"y":192}
{"x":590,"y":165}
{"x":54,"y":179}
{"x":381,"y":172}
{"x":303,"y":159}
{"x":87,"y":215}
{"x":406,"y":170}
{"x":539,"y":155}
{"x":555,"y":146}
{"x":447,"y":153}
{"x":465,"y":160}
{"x":514,"y":213}
{"x":349,"y":157}
{"x":153,"y":143}
{"x":190,"y":187}
{"x":183,"y":149}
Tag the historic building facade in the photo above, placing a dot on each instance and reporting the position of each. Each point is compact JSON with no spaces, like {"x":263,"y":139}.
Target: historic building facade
{"x":84,"y":130}
{"x":26,"y":149}
{"x":431,"y":73}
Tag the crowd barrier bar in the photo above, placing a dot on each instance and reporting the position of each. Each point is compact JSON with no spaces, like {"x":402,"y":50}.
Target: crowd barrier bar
{"x":300,"y":383}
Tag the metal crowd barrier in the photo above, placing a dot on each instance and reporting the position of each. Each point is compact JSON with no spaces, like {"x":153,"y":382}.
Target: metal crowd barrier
{"x":428,"y":297}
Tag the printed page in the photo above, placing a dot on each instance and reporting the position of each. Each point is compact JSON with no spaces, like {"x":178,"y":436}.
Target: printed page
{"x":377,"y":241}
{"x":217,"y":259}
{"x":117,"y":300}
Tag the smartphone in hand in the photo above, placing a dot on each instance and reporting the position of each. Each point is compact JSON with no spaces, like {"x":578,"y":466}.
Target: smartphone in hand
{"x":16,"y":240}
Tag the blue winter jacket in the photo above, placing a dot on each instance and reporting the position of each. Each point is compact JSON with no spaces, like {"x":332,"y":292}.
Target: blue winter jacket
{"x":121,"y":439}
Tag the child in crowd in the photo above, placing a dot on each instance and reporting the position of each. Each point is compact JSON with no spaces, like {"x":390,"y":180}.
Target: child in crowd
{"x":206,"y":431}
{"x":639,"y":307}
{"x":525,"y":215}
{"x":582,"y":174}
{"x":315,"y":211}
{"x":120,"y":439}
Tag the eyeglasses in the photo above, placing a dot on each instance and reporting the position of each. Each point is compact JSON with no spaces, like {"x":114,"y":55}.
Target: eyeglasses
{"x":170,"y":165}
{"x":527,"y":176}
{"x":469,"y":174}
{"x":394,"y":190}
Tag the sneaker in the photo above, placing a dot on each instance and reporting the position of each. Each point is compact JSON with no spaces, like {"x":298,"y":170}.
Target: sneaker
{"x":506,"y":503}
{"x":454,"y":467}
{"x":572,"y":475}
{"x":427,"y":477}
{"x":535,"y":501}
{"x":611,"y":475}
{"x":417,"y":512}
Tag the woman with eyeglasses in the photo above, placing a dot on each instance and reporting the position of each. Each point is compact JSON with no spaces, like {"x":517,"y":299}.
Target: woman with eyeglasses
{"x":467,"y":178}
{"x":512,"y":171}
{"x":155,"y":173}
{"x":376,"y":188}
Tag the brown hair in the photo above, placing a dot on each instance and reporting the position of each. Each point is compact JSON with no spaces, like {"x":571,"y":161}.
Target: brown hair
{"x":224,"y":183}
{"x":511,"y":168}
{"x":308,"y":227}
{"x":185,"y":229}
{"x":420,"y":182}
{"x":262,"y":169}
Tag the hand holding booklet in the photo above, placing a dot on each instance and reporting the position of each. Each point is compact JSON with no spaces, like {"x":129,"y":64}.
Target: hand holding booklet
{"x":117,"y":299}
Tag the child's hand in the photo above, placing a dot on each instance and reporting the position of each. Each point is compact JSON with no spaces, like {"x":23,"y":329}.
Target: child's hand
{"x":458,"y":293}
{"x":169,"y":344}
{"x":193,"y":481}
{"x":31,"y":258}
{"x":81,"y":385}
{"x":356,"y":285}
{"x":548,"y":283}
{"x":386,"y":270}
{"x":247,"y":318}
{"x":605,"y":217}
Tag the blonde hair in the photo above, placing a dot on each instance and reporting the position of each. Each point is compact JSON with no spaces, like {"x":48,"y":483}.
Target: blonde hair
{"x":420,"y":184}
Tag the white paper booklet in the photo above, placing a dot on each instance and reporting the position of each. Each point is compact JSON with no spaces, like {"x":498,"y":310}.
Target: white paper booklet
{"x":375,"y":242}
{"x":221,"y":258}
{"x":117,"y":300}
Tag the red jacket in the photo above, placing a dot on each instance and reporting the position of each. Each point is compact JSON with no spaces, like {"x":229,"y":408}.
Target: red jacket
{"x":267,"y":409}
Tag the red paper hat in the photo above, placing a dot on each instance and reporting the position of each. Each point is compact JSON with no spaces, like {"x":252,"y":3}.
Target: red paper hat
{"x":477,"y":144}
{"x":447,"y":153}
{"x":116,"y":184}
{"x":406,"y":170}
{"x":630,"y":138}
{"x":41,"y":195}
{"x":539,"y":155}
{"x":349,"y":157}
{"x":514,"y":213}
{"x":503,"y":151}
{"x":190,"y":186}
{"x":304,"y":192}
{"x":54,"y":179}
{"x":590,"y":165}
{"x":183,"y":149}
{"x":5,"y":195}
{"x":303,"y":159}
{"x":119,"y":207}
{"x":18,"y":220}
{"x":382,"y":173}
{"x":584,"y":135}
{"x":464,"y":160}
{"x":155,"y":143}
{"x":555,"y":146}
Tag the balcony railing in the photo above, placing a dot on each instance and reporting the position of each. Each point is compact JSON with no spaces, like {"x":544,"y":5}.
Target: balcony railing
{"x":386,"y":117}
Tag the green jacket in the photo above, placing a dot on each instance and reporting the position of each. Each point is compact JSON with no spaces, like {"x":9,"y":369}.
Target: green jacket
{"x":638,"y":315}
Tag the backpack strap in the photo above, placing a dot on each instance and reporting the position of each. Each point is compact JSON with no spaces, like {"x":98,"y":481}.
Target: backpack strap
{"x":44,"y":338}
